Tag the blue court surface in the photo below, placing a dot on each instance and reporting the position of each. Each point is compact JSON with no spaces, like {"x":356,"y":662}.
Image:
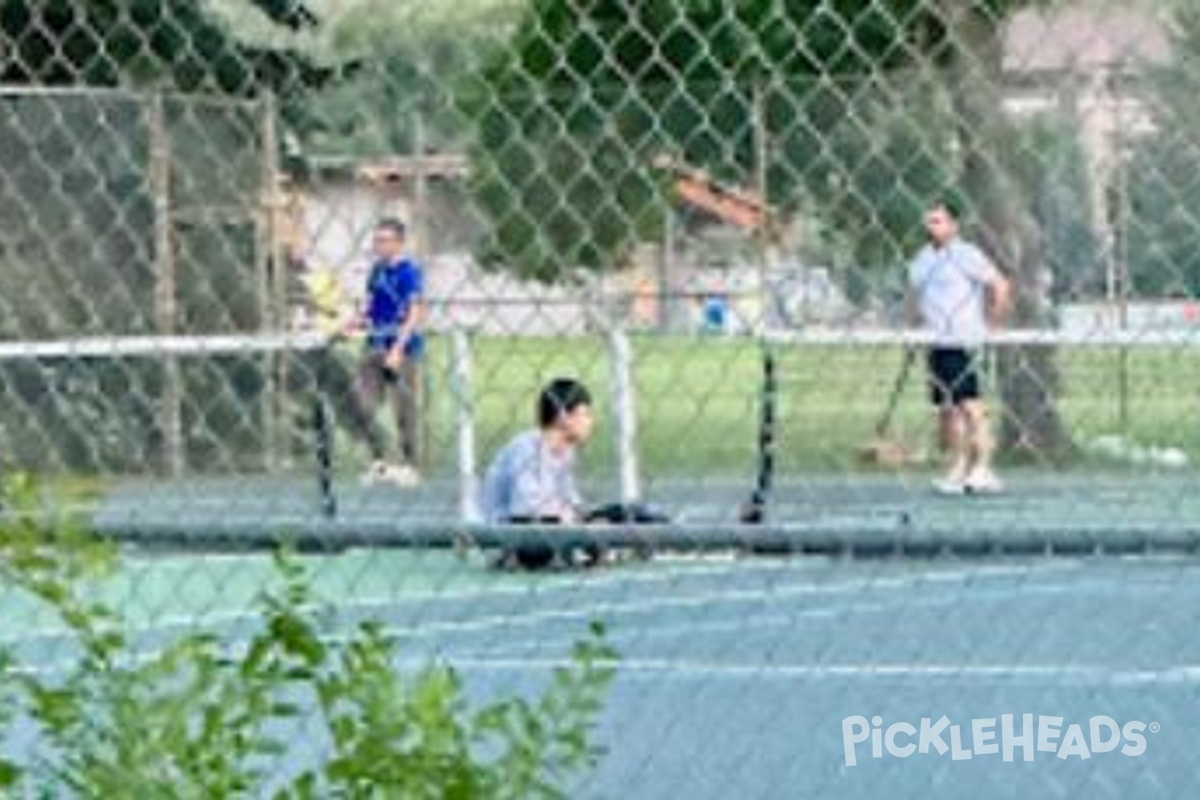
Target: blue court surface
{"x":1125,"y":510}
{"x":746,"y":676}
{"x":737,"y":674}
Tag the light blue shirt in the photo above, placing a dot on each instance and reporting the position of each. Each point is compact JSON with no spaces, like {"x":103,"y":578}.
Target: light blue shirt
{"x":950,"y":284}
{"x":529,"y":479}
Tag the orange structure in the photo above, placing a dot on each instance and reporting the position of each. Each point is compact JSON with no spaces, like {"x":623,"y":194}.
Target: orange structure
{"x":731,"y":205}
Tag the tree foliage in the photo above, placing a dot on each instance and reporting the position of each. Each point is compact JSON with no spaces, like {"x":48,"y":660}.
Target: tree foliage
{"x":574,"y":113}
{"x":1056,"y":178}
{"x":1156,"y":190}
{"x":173,"y":43}
{"x":399,"y":66}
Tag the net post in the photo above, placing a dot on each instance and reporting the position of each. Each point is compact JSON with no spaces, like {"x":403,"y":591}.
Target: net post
{"x":273,"y":284}
{"x":322,"y":362}
{"x":324,"y":450}
{"x":755,"y":510}
{"x":468,"y":505}
{"x":624,"y":412}
{"x":165,"y":301}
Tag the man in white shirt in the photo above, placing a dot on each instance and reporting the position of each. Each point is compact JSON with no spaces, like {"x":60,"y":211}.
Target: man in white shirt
{"x":957,"y":295}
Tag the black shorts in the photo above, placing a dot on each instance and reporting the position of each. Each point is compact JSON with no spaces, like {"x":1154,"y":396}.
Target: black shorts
{"x":953,"y":376}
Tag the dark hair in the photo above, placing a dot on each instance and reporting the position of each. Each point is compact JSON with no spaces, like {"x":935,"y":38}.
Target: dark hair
{"x":391,"y":225}
{"x":951,"y":202}
{"x":561,"y":396}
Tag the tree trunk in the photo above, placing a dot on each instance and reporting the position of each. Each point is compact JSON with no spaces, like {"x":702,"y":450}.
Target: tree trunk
{"x":1030,"y":422}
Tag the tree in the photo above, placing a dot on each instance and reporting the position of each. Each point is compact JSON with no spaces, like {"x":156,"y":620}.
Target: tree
{"x":1056,"y":178}
{"x":144,"y":43}
{"x":1157,"y":190}
{"x":575,"y":112}
{"x":400,"y":65}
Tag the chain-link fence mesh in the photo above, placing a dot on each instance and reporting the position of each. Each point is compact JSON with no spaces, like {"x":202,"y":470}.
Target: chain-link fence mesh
{"x":706,"y":213}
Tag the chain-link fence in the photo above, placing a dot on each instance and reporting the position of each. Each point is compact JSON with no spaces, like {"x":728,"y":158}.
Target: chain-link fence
{"x":709,"y":214}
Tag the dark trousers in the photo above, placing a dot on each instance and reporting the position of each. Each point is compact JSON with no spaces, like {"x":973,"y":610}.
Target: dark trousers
{"x":541,"y":555}
{"x":402,"y":388}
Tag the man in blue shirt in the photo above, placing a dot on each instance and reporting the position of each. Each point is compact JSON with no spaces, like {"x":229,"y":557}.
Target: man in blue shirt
{"x":392,"y":315}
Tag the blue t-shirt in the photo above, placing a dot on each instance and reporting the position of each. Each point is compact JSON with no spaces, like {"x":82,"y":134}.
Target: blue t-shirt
{"x":392,"y":289}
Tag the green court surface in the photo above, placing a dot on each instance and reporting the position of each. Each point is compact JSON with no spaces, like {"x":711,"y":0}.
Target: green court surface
{"x":738,"y":671}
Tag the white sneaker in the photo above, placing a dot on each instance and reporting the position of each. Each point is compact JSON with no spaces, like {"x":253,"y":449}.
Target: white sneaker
{"x":403,"y":475}
{"x":954,"y":482}
{"x":376,"y":473}
{"x":983,"y":481}
{"x":949,"y":485}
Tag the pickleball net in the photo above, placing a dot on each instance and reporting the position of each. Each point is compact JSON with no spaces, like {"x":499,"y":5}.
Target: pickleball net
{"x":241,"y":442}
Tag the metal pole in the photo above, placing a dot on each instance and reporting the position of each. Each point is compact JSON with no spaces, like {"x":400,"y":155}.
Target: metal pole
{"x":323,"y":446}
{"x":468,"y":483}
{"x":420,"y":231}
{"x":760,"y":184}
{"x":1122,"y":267}
{"x":274,"y":277}
{"x":666,"y":299}
{"x":165,"y":297}
{"x":624,"y":412}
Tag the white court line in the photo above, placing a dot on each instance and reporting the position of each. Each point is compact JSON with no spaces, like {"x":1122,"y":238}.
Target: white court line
{"x":694,"y":627}
{"x":537,"y":592}
{"x":508,"y":624}
{"x":687,"y":666}
{"x":167,"y":624}
{"x":533,"y":620}
{"x":590,"y":610}
{"x":1075,"y":673}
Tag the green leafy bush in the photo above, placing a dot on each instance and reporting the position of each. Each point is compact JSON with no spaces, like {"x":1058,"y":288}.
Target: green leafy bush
{"x":204,"y":716}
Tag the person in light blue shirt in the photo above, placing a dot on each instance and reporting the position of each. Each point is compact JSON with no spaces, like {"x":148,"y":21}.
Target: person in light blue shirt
{"x":957,"y":295}
{"x":532,"y":478}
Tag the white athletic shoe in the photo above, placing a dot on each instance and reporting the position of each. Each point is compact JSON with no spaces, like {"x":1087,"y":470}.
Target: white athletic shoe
{"x":376,"y":473}
{"x":949,"y":485}
{"x":983,"y":481}
{"x":954,"y":482}
{"x":403,"y":475}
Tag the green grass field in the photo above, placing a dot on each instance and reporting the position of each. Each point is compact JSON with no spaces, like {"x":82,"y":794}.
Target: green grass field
{"x":697,"y":402}
{"x":697,"y":399}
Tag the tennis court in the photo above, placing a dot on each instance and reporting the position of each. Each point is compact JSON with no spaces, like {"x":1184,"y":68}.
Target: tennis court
{"x":744,"y":648}
{"x":737,"y":671}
